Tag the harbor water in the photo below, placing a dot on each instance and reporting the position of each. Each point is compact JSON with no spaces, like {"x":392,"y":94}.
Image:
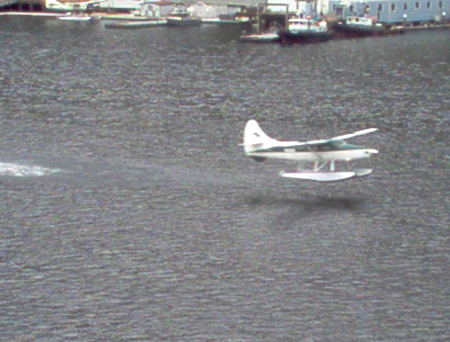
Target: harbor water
{"x":129,"y":212}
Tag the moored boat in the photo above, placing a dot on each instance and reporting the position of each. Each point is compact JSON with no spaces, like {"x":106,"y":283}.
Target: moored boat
{"x":180,"y":17}
{"x":233,"y":19}
{"x":183,"y":21}
{"x":304,"y":31}
{"x":271,"y":36}
{"x":358,"y":27}
{"x":75,"y":17}
{"x":135,"y":24}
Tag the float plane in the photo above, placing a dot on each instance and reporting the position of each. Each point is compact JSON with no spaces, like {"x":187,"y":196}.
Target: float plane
{"x":259,"y":146}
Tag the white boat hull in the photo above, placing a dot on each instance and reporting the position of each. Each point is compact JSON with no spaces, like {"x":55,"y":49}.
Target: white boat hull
{"x":74,"y":18}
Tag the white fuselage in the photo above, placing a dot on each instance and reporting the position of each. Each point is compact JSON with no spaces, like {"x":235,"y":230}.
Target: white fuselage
{"x":322,"y":156}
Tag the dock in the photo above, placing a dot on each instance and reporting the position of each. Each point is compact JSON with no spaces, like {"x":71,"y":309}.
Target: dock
{"x":30,"y":14}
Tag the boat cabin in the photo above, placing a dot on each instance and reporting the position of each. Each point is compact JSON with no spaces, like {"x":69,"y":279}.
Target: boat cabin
{"x":361,"y":21}
{"x":306,"y":24}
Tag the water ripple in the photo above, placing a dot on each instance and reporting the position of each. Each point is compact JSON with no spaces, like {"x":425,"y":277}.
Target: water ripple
{"x":18,"y":170}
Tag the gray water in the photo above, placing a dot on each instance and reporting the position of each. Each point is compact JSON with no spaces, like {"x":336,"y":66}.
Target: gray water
{"x":129,"y":212}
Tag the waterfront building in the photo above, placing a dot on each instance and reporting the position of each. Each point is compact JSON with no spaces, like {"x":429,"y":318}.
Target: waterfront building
{"x":60,"y":5}
{"x":22,"y":5}
{"x":203,"y":10}
{"x":207,"y":10}
{"x":6,"y":4}
{"x":388,"y":11}
{"x":215,"y":10}
{"x":156,"y":9}
{"x":393,"y":11}
{"x":121,"y":5}
{"x":293,"y":6}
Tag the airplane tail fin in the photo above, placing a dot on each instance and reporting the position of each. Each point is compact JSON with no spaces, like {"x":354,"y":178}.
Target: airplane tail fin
{"x":254,"y":137}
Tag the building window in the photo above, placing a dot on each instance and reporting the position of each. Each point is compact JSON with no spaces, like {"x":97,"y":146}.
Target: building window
{"x":405,"y":6}
{"x":380,"y":7}
{"x":440,"y":4}
{"x":417,"y":5}
{"x":428,"y":5}
{"x":393,"y":8}
{"x":351,"y":8}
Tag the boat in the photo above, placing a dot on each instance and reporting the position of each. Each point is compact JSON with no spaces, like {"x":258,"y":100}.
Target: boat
{"x":180,"y":17}
{"x":234,"y":19}
{"x":135,"y":24}
{"x":183,"y":21}
{"x":270,"y":36}
{"x":75,"y":18}
{"x":357,"y":27}
{"x":214,"y":20}
{"x":304,"y":31}
{"x":125,"y":17}
{"x":69,"y":16}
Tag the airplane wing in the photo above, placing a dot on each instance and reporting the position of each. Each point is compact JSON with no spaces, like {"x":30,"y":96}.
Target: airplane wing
{"x":321,"y":142}
{"x":312,"y":143}
{"x":355,"y":134}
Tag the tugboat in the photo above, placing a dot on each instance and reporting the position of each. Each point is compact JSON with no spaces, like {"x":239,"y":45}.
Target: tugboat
{"x":358,"y":27}
{"x":304,"y":31}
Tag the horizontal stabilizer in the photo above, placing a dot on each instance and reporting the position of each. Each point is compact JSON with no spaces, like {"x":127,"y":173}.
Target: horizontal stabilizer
{"x":326,"y":176}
